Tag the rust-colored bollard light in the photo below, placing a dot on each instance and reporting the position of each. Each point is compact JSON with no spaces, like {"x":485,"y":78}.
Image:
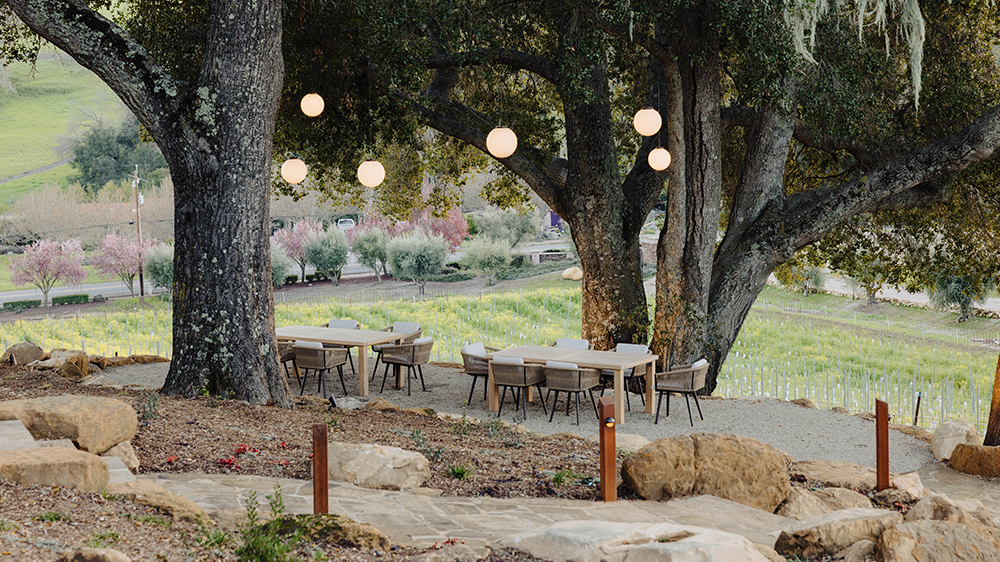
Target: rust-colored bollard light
{"x":321,"y":476}
{"x":609,"y":476}
{"x":881,"y":445}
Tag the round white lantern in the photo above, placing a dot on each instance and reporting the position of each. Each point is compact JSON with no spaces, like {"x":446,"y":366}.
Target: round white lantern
{"x":501,"y":142}
{"x":312,"y":104}
{"x":371,"y":173}
{"x":659,"y":159}
{"x":647,"y":121}
{"x":293,"y":170}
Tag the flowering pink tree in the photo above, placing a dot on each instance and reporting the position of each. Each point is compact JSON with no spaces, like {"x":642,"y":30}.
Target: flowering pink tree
{"x":293,"y":240}
{"x":453,"y":227}
{"x":122,"y":257}
{"x":46,"y":262}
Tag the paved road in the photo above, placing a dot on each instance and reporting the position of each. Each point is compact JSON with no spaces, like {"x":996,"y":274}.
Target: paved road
{"x":37,"y":171}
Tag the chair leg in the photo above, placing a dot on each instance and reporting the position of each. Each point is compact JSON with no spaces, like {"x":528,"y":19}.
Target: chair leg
{"x":642,"y":390}
{"x":688,"y":401}
{"x":628,"y":401}
{"x":539,"y":387}
{"x":421,"y":371}
{"x":659,"y":400}
{"x":302,"y":382}
{"x":593,"y":403}
{"x":351,"y":359}
{"x":486,"y":385}
{"x":554,"y":405}
{"x":522,"y":395}
{"x":577,"y":396}
{"x":409,"y":375}
{"x":378,"y":356}
{"x":384,"y":375}
{"x":340,"y":371}
{"x":696,"y":403}
{"x":473,"y":389}
{"x":322,"y":381}
{"x":502,"y":398}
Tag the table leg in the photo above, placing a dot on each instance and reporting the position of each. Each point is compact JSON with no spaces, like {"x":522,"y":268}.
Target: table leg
{"x":650,"y":383}
{"x":397,"y":370}
{"x":619,"y":396}
{"x":492,"y":390}
{"x":362,"y":370}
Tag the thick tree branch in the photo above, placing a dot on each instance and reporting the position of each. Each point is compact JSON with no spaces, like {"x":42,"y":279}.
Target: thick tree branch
{"x":507,"y":57}
{"x":643,"y":40}
{"x":101,"y":46}
{"x":740,"y":116}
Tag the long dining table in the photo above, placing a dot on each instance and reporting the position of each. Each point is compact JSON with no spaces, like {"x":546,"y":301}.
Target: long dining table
{"x":362,"y":339}
{"x":604,"y":360}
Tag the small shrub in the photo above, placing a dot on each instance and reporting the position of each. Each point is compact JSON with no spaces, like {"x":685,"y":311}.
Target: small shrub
{"x":564,"y":476}
{"x":71,"y":299}
{"x":328,"y":252}
{"x":434,"y":453}
{"x":418,"y":438}
{"x":261,"y":542}
{"x":149,"y":401}
{"x":102,"y":538}
{"x":489,"y":255}
{"x":451,"y":277}
{"x":53,"y":516}
{"x":417,"y":256}
{"x":458,"y":471}
{"x":280,"y":264}
{"x":289,"y":279}
{"x":21,"y":305}
{"x":159,"y":266}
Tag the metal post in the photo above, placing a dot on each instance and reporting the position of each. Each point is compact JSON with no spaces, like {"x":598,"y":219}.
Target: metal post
{"x":321,"y":476}
{"x":882,"y":444}
{"x":138,"y":227}
{"x":609,"y":474}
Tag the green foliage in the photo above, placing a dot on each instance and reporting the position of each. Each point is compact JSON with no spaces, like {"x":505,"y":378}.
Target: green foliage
{"x":564,"y":476}
{"x":280,"y":264}
{"x":417,"y":256}
{"x":159,"y":266}
{"x":53,"y":516}
{"x":21,"y":305}
{"x":110,"y":154}
{"x":418,"y":438}
{"x":71,"y":299}
{"x":453,"y":277}
{"x":458,"y":471}
{"x":212,"y":537}
{"x":511,"y":225}
{"x":370,"y":246}
{"x":149,"y":401}
{"x":260,"y":541}
{"x":7,"y":526}
{"x":489,"y":255}
{"x":328,"y":253}
{"x":100,"y":539}
{"x":960,"y":291}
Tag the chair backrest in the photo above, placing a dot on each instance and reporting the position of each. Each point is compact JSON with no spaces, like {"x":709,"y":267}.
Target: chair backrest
{"x":508,"y":360}
{"x":309,"y":344}
{"x":573,"y":343}
{"x":698,"y":376}
{"x":477,"y":349}
{"x":561,"y":365}
{"x":405,"y":327}
{"x":632,"y":348}
{"x":346,"y":324}
{"x":422,"y":350}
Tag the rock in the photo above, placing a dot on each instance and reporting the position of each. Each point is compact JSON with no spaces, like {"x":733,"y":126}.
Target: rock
{"x":731,"y":467}
{"x":382,"y":405}
{"x":118,"y":361}
{"x":427,"y":412}
{"x":603,"y":541}
{"x":840,"y":410}
{"x":94,"y":424}
{"x":909,"y":483}
{"x":801,"y":504}
{"x":332,"y":529}
{"x":840,"y":474}
{"x":315,"y":402}
{"x":951,"y":433}
{"x":449,"y":552}
{"x":377,"y":466}
{"x":769,"y":553}
{"x":22,"y":354}
{"x":99,"y":360}
{"x":95,"y":555}
{"x":805,"y":403}
{"x":891,"y":496}
{"x":835,"y":531}
{"x":55,"y":466}
{"x":627,"y":441}
{"x":64,"y":443}
{"x":914,"y":431}
{"x":147,"y":359}
{"x":71,"y":364}
{"x":975,"y":459}
{"x":971,"y":513}
{"x":99,"y":380}
{"x":126,"y":453}
{"x":349,"y":403}
{"x":935,"y":541}
{"x":564,"y":436}
{"x":857,"y":552}
{"x":152,"y":494}
{"x":842,"y":498}
{"x":455,"y":418}
{"x":573,"y":273}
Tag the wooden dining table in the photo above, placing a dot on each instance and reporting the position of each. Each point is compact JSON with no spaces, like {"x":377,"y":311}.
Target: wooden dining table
{"x":588,"y":358}
{"x":362,"y":339}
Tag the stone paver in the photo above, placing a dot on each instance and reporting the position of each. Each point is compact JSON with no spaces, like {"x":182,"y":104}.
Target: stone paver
{"x":14,"y":436}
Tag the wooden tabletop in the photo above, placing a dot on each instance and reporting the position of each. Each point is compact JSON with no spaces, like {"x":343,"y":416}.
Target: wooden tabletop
{"x":589,"y":358}
{"x":339,"y":336}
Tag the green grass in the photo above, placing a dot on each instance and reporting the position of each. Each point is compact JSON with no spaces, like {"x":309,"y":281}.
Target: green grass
{"x":14,"y":190}
{"x":47,"y":108}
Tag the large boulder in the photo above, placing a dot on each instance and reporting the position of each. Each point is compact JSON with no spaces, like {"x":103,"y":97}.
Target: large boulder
{"x":55,"y":466}
{"x":838,"y":474}
{"x":70,"y":363}
{"x":935,"y":541}
{"x":835,"y":531}
{"x":801,"y":504}
{"x":603,"y":541}
{"x":377,"y":466}
{"x":573,"y":273}
{"x":94,"y":424}
{"x":22,"y":353}
{"x":152,"y":494}
{"x":951,"y":433}
{"x":971,"y":513}
{"x":842,"y":498}
{"x":731,"y":467}
{"x":975,"y":459}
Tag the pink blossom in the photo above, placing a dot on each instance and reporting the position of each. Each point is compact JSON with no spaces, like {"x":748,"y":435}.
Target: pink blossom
{"x":122,"y":257}
{"x":453,"y":227}
{"x":47,"y":262}
{"x":293,"y":240}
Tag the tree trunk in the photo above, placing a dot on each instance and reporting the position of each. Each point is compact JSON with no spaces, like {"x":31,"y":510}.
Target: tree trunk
{"x":992,"y":437}
{"x":216,"y":135}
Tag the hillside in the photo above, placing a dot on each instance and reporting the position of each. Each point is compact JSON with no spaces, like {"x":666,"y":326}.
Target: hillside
{"x":53,"y":102}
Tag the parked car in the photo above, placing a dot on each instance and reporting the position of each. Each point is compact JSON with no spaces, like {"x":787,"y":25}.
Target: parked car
{"x":345,"y":224}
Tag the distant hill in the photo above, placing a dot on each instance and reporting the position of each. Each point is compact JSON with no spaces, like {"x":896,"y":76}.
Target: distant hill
{"x":44,"y":112}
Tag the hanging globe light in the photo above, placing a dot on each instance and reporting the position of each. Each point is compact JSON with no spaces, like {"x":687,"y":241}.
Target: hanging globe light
{"x":312,"y":104}
{"x":371,"y":173}
{"x":647,"y":121}
{"x":501,"y":142}
{"x":293,"y":170}
{"x":659,"y":159}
